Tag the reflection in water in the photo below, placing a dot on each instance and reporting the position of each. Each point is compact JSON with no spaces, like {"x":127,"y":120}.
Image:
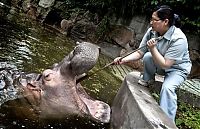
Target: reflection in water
{"x":30,"y":48}
{"x":23,"y":47}
{"x":11,"y":47}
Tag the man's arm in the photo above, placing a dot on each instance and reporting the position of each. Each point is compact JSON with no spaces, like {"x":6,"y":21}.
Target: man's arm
{"x":157,"y":57}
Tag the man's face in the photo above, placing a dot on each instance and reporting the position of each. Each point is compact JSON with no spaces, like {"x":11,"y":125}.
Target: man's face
{"x":156,"y":23}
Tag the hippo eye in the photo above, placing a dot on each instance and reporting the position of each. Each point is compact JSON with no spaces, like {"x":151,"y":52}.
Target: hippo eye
{"x":47,"y":77}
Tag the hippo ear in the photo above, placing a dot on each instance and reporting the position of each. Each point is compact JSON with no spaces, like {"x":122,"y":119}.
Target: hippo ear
{"x":77,"y":43}
{"x":99,"y":49}
{"x":71,"y":54}
{"x":54,"y":65}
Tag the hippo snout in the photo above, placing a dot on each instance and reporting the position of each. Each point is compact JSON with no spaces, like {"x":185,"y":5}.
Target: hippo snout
{"x":84,"y":57}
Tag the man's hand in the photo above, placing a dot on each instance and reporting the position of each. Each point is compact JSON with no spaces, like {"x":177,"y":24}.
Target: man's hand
{"x":157,"y":57}
{"x":118,"y":61}
{"x":151,"y":43}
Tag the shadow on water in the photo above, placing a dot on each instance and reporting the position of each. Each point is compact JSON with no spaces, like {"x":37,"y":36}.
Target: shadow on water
{"x":29,"y":47}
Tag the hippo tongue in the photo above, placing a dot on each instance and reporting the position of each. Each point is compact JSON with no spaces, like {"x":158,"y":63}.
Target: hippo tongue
{"x":99,"y":110}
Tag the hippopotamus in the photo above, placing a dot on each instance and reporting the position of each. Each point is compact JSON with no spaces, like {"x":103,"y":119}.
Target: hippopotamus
{"x":55,"y":93}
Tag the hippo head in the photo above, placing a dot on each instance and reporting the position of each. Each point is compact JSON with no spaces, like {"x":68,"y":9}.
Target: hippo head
{"x":55,"y":93}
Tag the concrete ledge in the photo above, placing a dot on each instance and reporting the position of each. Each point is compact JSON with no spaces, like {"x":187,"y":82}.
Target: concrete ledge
{"x":135,"y":108}
{"x":188,"y":92}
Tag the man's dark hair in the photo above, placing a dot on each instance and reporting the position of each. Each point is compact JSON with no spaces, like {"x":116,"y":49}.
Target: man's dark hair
{"x":165,"y":12}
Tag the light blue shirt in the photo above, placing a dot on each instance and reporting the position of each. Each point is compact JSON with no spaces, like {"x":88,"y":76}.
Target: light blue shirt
{"x":173,"y":45}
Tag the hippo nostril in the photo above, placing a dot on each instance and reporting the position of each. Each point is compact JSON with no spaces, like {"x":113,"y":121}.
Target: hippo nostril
{"x":38,"y":77}
{"x":29,"y":84}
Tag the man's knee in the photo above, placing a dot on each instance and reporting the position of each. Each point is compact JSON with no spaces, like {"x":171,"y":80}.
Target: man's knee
{"x":147,"y":57}
{"x":168,"y":90}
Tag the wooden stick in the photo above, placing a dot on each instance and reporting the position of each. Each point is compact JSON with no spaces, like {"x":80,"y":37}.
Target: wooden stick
{"x":111,"y":63}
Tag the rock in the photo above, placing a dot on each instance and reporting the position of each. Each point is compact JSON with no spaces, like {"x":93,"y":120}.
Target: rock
{"x":195,"y":58}
{"x":123,"y":36}
{"x":46,"y":3}
{"x":66,"y":26}
{"x":32,"y":12}
{"x":135,"y":108}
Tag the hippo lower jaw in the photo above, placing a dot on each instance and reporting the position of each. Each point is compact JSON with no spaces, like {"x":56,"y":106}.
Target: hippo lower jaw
{"x":99,"y":110}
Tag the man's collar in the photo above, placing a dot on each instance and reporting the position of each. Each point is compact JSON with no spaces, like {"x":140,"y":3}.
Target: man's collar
{"x":169,"y":33}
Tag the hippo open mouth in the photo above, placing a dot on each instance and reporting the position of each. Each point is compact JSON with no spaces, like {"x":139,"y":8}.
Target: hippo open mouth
{"x":56,"y":94}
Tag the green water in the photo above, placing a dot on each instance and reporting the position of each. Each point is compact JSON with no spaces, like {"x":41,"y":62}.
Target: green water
{"x":30,"y":47}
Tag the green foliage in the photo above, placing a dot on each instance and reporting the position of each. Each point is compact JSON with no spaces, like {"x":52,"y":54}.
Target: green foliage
{"x":156,"y":96}
{"x":188,"y":117}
